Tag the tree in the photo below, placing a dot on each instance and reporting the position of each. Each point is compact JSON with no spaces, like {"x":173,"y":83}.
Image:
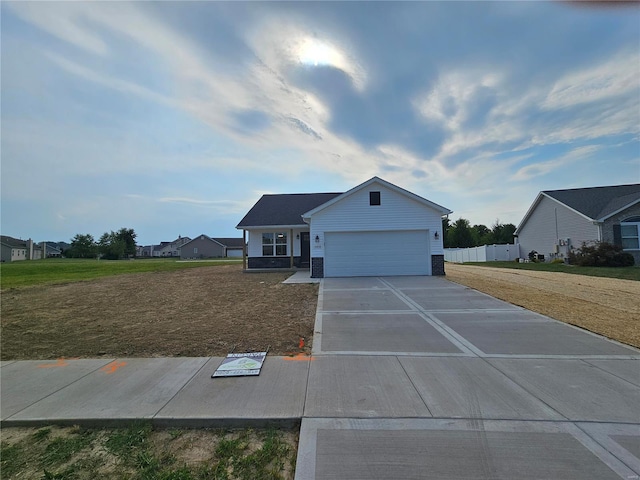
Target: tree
{"x":82,"y":246}
{"x":128,"y":236}
{"x":481,"y":235}
{"x":117,"y":245}
{"x":502,"y":233}
{"x":446,"y":225}
{"x":459,"y":234}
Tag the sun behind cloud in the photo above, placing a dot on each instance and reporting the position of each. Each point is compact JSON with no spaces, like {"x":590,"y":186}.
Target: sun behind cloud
{"x":317,"y":53}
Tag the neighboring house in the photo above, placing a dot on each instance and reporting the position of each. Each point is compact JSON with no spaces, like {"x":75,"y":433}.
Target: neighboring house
{"x":169,"y":249}
{"x":204,"y":246}
{"x":560,"y":220}
{"x":373,"y":229}
{"x":52,"y":250}
{"x":233,"y":247}
{"x":14,"y":249}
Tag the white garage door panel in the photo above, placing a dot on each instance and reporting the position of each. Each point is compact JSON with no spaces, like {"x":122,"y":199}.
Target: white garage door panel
{"x":359,"y":254}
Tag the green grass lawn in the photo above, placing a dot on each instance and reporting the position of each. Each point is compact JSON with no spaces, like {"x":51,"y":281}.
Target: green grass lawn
{"x":625,"y":273}
{"x":140,"y":452}
{"x":62,"y":270}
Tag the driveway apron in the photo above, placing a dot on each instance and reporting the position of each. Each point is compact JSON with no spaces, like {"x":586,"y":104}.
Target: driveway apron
{"x":418,"y":377}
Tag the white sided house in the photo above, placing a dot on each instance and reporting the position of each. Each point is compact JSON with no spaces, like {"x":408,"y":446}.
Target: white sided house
{"x":374,"y":229}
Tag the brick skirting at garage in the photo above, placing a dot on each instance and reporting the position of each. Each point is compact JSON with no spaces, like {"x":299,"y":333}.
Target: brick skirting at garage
{"x":437,"y":265}
{"x":317,"y":267}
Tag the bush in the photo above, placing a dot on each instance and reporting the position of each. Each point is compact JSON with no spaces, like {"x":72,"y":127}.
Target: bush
{"x":557,"y":260}
{"x":601,"y":254}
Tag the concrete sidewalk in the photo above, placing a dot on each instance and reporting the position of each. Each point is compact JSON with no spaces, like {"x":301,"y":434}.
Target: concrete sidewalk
{"x":176,"y":392}
{"x":411,"y":377}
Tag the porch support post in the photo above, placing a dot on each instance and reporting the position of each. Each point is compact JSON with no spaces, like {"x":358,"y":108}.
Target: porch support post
{"x":291,"y":237}
{"x":244,"y":249}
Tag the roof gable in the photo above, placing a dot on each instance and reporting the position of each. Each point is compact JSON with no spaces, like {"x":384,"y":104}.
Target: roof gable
{"x":376,"y":180}
{"x":283,"y":210}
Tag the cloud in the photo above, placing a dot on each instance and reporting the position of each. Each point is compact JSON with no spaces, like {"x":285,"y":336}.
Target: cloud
{"x":537,"y":169}
{"x":613,"y":78}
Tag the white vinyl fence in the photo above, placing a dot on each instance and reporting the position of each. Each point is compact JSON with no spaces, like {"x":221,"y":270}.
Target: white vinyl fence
{"x":485,"y":253}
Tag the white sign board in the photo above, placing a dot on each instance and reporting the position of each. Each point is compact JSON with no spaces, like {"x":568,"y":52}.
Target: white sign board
{"x":240,"y":364}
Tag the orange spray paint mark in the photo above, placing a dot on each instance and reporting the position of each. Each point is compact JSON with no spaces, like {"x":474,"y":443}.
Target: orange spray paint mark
{"x":301,"y":345}
{"x":300,"y":357}
{"x":112,"y":367}
{"x":61,"y":362}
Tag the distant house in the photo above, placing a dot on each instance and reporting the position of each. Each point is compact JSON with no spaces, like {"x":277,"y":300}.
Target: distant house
{"x":374,"y":229}
{"x":52,"y":250}
{"x":233,"y":247}
{"x":204,"y":246}
{"x":169,"y":249}
{"x":14,"y":249}
{"x":559,"y":220}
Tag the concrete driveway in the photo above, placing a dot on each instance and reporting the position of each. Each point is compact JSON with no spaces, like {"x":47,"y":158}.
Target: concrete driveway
{"x":418,"y":377}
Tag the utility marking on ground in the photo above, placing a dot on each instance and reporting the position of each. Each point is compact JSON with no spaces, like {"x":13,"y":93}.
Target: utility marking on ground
{"x":61,"y":362}
{"x":112,"y":367}
{"x":301,"y":357}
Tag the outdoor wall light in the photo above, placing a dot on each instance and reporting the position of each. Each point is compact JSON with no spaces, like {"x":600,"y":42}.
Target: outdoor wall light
{"x":298,"y":236}
{"x":436,"y":236}
{"x":317,"y":239}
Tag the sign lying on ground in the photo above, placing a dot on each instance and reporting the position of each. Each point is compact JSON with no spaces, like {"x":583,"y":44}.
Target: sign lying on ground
{"x":240,"y":365}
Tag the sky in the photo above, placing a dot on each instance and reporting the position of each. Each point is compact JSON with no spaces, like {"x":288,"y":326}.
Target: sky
{"x":173,"y":118}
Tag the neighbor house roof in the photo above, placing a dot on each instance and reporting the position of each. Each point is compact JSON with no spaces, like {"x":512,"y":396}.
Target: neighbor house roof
{"x":13,"y":242}
{"x":595,"y":203}
{"x":283,"y":210}
{"x":230,"y":242}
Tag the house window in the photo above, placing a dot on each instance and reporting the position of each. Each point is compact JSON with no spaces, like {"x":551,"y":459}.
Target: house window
{"x":274,"y":244}
{"x":630,"y":235}
{"x":195,"y":249}
{"x":374,"y":198}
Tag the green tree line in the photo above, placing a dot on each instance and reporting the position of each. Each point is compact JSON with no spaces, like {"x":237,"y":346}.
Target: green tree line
{"x":460,"y":234}
{"x":111,"y":245}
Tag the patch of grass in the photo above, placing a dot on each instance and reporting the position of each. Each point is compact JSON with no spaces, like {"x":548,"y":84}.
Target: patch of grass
{"x":237,"y":457}
{"x":61,"y":270}
{"x":141,"y":453}
{"x":60,"y":450}
{"x":624,"y":273}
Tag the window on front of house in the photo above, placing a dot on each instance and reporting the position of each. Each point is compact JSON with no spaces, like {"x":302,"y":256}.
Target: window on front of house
{"x":274,"y":244}
{"x":374,"y":198}
{"x":630,"y":235}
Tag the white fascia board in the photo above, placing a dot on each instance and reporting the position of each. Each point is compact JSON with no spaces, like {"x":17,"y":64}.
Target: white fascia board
{"x":443,"y":211}
{"x":274,"y":227}
{"x":619,"y":210}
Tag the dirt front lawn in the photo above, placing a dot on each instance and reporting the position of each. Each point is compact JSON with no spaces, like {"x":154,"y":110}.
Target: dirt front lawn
{"x":196,"y":312}
{"x":608,"y":306}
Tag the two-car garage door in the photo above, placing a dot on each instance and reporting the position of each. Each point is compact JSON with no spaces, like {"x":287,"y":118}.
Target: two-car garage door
{"x":363,"y":254}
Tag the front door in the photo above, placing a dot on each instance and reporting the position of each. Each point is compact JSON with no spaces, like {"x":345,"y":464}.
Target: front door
{"x":305,"y":250}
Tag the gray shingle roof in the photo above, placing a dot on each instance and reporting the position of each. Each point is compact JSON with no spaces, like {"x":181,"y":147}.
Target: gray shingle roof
{"x":230,"y":242}
{"x":597,"y":202}
{"x":13,"y":242}
{"x":286,"y":209}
